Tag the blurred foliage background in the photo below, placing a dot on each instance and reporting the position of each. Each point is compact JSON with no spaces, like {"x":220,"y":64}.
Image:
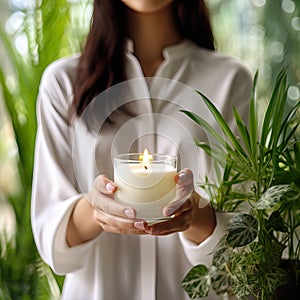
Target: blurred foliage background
{"x":265,"y":34}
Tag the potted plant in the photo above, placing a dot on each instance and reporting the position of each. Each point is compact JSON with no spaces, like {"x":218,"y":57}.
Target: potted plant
{"x":258,"y":257}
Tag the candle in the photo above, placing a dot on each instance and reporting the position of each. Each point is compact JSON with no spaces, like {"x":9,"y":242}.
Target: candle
{"x":145,"y":182}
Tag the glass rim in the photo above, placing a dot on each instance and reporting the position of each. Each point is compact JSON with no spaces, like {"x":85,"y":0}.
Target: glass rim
{"x":157,"y":157}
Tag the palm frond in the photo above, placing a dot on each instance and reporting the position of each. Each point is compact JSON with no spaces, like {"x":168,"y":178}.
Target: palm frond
{"x":46,"y":28}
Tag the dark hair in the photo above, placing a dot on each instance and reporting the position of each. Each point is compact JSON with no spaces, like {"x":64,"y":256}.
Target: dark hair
{"x":101,"y":63}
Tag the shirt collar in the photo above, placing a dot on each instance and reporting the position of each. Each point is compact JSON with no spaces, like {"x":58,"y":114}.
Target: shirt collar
{"x":177,"y":50}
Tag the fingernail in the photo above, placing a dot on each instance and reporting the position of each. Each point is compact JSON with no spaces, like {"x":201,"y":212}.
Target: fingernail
{"x":129,"y":213}
{"x":110,"y":187}
{"x":139,"y":225}
{"x":182,"y":177}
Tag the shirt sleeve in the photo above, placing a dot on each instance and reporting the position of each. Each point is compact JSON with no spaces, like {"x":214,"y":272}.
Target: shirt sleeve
{"x":54,"y":191}
{"x":202,"y":253}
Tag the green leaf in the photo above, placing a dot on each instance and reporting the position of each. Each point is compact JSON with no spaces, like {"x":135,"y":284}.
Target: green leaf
{"x":297,"y":154}
{"x":272,"y":279}
{"x":223,"y":125}
{"x":197,"y":282}
{"x":221,"y":280}
{"x":272,"y":118}
{"x":287,"y":129}
{"x":276,"y":222}
{"x":291,"y":201}
{"x":222,"y":253}
{"x":242,"y":230}
{"x":243,"y":288}
{"x":253,"y":124}
{"x":215,"y":152}
{"x":272,"y":196}
{"x":46,"y":25}
{"x":205,"y":125}
{"x":243,"y":130}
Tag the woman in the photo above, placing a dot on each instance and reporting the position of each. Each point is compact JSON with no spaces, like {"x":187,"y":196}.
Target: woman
{"x":165,"y":49}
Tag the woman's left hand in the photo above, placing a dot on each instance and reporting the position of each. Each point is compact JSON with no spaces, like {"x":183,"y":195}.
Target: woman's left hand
{"x":181,"y":210}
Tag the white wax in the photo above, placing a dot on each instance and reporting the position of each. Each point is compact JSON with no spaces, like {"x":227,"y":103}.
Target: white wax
{"x":147,"y":190}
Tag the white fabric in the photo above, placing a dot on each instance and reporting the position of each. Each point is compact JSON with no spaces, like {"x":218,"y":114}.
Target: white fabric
{"x":68,"y":158}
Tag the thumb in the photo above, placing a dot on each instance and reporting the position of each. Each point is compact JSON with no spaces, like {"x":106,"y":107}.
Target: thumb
{"x":185,"y":184}
{"x":185,"y":177}
{"x":185,"y":187}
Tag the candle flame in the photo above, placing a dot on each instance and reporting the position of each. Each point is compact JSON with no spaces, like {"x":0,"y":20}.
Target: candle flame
{"x":145,"y":159}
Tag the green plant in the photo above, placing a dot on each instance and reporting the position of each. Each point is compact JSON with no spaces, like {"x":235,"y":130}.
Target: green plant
{"x":22,"y":273}
{"x":261,"y":168}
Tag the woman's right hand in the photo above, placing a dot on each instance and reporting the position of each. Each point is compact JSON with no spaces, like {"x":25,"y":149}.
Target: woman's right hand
{"x":98,"y":211}
{"x":111,"y":215}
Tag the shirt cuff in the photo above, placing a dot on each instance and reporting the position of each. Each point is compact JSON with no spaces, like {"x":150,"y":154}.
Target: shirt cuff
{"x":67,"y":259}
{"x":202,"y":253}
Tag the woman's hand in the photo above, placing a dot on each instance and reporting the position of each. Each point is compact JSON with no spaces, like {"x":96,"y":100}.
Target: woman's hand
{"x":98,"y":212}
{"x":181,"y":210}
{"x":111,"y":215}
{"x":197,"y":223}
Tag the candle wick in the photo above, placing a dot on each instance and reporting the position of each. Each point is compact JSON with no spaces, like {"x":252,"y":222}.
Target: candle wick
{"x":146,"y":167}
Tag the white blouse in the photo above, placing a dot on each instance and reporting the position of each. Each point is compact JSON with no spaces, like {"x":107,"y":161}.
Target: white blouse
{"x":69,"y":157}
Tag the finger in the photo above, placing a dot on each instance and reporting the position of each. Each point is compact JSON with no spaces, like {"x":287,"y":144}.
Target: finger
{"x":185,"y":188}
{"x":117,"y":224}
{"x":102,"y":198}
{"x":185,"y":184}
{"x":121,"y":230}
{"x":104,"y":185}
{"x":185,"y":177}
{"x":112,"y":207}
{"x":177,"y":224}
{"x":177,"y":207}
